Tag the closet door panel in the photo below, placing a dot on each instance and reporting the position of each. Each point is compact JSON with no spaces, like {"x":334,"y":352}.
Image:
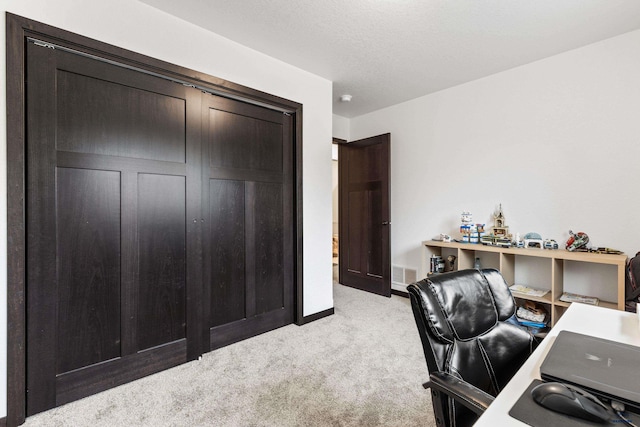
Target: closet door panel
{"x":112,"y":155}
{"x":162,"y":255}
{"x":119,"y":120}
{"x":269,"y":242}
{"x":243,"y":142}
{"x":249,"y":170}
{"x":88,"y":247}
{"x":228,"y":290}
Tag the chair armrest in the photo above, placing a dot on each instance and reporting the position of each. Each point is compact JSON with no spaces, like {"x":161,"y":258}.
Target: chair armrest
{"x":461,"y":391}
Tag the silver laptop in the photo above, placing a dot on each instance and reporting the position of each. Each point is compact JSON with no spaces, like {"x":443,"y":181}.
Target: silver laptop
{"x":607,"y":369}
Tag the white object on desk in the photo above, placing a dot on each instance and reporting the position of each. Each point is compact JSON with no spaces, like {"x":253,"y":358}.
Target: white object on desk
{"x":585,"y":319}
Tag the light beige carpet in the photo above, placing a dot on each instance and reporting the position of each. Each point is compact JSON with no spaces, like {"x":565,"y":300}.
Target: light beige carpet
{"x":363,"y":366}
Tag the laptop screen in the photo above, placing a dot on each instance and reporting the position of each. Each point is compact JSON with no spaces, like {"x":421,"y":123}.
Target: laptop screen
{"x":605,"y":368}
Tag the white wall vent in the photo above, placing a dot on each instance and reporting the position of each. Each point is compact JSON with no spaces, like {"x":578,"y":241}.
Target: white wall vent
{"x":397,"y":274}
{"x":401,"y":277}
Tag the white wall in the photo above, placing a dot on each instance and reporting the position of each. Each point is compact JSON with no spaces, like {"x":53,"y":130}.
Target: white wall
{"x":138,"y":27}
{"x":556,"y":142}
{"x":341,"y":127}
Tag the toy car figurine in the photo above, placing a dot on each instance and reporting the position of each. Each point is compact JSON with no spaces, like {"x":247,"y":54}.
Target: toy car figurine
{"x":532,"y":240}
{"x":550,"y":244}
{"x":491,"y":240}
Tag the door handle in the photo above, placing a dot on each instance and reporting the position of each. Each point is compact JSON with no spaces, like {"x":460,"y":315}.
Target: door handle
{"x":386,"y":222}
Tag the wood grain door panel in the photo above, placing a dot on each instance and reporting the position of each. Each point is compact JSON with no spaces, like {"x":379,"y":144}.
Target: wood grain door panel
{"x":145,"y":122}
{"x":364,"y":214}
{"x":248,"y":249}
{"x":88,"y":267}
{"x":110,"y":164}
{"x":162,"y":260}
{"x":227,"y":255}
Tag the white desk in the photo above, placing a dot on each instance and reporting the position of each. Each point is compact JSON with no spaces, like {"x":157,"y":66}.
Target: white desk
{"x":581,"y":318}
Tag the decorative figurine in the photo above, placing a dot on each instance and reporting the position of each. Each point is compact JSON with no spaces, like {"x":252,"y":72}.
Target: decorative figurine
{"x":533,"y":240}
{"x":445,"y":237}
{"x":477,"y":231}
{"x":500,"y":228}
{"x":518,"y":242}
{"x":466,"y":221}
{"x":449,"y":264}
{"x":466,"y":218}
{"x":492,"y":240}
{"x":500,"y":232}
{"x":577,"y":241}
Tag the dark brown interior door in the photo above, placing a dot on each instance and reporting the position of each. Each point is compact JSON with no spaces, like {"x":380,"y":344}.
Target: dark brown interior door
{"x":364,"y":216}
{"x":113,"y":266}
{"x":249,"y":207}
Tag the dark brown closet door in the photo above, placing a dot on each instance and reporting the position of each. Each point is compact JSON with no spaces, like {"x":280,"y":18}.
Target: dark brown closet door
{"x":113,"y":269}
{"x":248,"y":200}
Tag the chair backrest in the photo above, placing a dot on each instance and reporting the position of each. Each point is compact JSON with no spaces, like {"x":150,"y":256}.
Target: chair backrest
{"x":466,"y":321}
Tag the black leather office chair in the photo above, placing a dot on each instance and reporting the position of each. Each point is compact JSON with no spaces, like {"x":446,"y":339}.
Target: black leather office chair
{"x":471,"y":340}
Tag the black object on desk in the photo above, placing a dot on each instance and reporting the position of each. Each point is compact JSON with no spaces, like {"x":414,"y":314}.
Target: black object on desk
{"x":572,"y":401}
{"x":529,"y":412}
{"x":605,"y":368}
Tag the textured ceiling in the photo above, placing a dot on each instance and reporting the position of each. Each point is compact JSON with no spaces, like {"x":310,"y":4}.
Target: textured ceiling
{"x":388,"y":51}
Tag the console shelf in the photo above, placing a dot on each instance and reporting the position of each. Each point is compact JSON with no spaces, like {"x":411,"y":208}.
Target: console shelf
{"x":550,"y":262}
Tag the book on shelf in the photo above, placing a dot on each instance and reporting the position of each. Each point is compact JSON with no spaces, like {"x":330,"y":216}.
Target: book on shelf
{"x":531,"y":324}
{"x":533,"y":316}
{"x":537,"y":316}
{"x":569,"y":297}
{"x":528,"y":291}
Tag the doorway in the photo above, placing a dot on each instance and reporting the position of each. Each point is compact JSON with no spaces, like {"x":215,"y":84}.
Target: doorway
{"x":364,"y":214}
{"x":335,"y":249}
